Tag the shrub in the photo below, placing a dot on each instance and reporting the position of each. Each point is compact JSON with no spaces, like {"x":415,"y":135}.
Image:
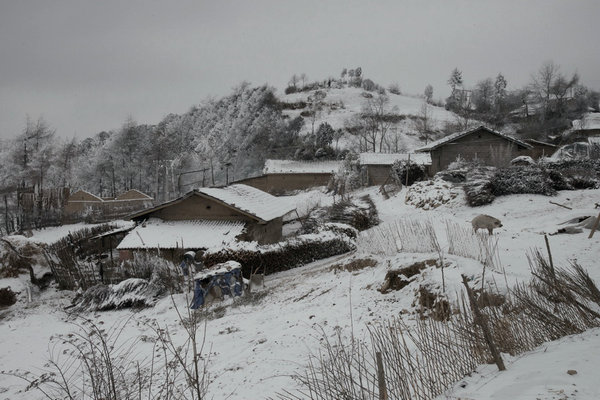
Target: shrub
{"x":402,"y":168}
{"x":520,"y":179}
{"x":394,"y":88}
{"x":283,"y":256}
{"x":7,"y":297}
{"x":574,"y":174}
{"x":290,"y":90}
{"x":478,"y":187}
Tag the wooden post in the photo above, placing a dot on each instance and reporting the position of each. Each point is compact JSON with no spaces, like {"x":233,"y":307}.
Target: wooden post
{"x":407,"y":168}
{"x":381,"y":377}
{"x":595,"y":227}
{"x":481,"y":321}
{"x":549,"y":255}
{"x":6,"y":215}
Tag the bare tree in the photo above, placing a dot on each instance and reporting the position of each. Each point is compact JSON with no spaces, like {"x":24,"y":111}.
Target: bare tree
{"x":425,"y":122}
{"x":378,"y":118}
{"x":315,"y":105}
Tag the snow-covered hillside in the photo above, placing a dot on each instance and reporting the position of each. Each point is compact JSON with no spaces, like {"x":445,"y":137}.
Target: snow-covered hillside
{"x":340,"y":105}
{"x":255,"y":344}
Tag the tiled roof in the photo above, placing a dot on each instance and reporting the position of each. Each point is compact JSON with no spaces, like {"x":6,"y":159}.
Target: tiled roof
{"x":156,"y":233}
{"x":458,"y":135}
{"x":390,"y":158}
{"x":300,"y":167}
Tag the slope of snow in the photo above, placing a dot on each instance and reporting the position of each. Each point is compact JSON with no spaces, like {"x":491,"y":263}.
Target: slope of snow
{"x":541,"y":374}
{"x":342,"y":104}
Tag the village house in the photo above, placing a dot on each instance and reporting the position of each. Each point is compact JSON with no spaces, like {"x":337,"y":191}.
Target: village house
{"x":207,"y":218}
{"x":282,"y":176}
{"x":378,"y":166}
{"x":484,"y":144}
{"x":85,"y":205}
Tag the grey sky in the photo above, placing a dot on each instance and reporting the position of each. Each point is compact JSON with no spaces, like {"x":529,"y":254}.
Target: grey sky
{"x":85,"y":66}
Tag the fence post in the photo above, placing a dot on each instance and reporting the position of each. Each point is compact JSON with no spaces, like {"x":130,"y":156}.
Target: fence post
{"x":481,"y":321}
{"x":381,"y":377}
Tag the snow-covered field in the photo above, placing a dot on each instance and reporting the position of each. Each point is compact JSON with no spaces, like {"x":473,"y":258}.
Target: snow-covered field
{"x":256,"y":345}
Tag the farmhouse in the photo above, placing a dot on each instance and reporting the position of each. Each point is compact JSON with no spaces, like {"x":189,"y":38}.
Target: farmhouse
{"x":484,"y":144}
{"x":378,"y":166}
{"x":206,"y":218}
{"x":281,"y":176}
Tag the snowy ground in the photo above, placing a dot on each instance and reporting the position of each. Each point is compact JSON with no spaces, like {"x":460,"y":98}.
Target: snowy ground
{"x":256,"y":345}
{"x":353,"y":101}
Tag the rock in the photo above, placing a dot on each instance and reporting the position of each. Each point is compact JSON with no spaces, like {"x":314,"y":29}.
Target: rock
{"x":572,"y":372}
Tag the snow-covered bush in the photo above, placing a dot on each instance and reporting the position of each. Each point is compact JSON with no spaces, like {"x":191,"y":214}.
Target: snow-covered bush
{"x":573,"y":174}
{"x":360,"y":214}
{"x":522,"y":160}
{"x":132,"y":292}
{"x":430,"y":194}
{"x":282,"y":256}
{"x":348,"y":177}
{"x":402,"y":168}
{"x":478,"y":189}
{"x":518,"y":179}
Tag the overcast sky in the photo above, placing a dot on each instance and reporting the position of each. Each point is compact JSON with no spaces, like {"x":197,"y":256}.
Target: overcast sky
{"x":85,"y":66}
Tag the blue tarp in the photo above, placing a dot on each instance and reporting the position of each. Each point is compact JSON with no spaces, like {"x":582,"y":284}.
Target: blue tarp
{"x":230,"y":283}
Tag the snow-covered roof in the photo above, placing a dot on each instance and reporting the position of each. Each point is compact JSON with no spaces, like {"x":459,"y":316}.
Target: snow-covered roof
{"x":539,"y":142}
{"x":390,"y":158}
{"x":246,"y":199}
{"x":133,"y":194}
{"x":196,"y":234}
{"x":251,"y":201}
{"x":300,"y":167}
{"x":458,"y":135}
{"x":588,"y":122}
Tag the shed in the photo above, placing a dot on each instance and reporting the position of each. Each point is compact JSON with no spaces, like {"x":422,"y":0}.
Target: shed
{"x":587,"y":126}
{"x":540,"y":149}
{"x":82,"y":204}
{"x":379,"y":165}
{"x":208,"y":217}
{"x":281,"y":176}
{"x":482,"y":143}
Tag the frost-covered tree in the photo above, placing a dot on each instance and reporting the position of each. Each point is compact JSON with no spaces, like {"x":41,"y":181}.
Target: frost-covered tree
{"x":455,"y":80}
{"x":428,"y":93}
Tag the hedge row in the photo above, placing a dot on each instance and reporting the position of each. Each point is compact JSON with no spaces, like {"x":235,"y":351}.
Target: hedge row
{"x":282,"y":257}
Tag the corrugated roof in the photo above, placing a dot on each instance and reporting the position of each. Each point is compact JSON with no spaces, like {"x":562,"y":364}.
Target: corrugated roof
{"x":390,"y":158}
{"x":300,"y":167}
{"x":251,"y":201}
{"x":196,"y":234}
{"x":458,"y":135}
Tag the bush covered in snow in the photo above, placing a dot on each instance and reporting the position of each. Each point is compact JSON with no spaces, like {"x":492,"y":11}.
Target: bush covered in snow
{"x":131,"y":292}
{"x":402,"y":168}
{"x":520,"y":179}
{"x":573,"y":174}
{"x":359,"y":213}
{"x":7,"y":297}
{"x":282,"y":256}
{"x":430,"y":194}
{"x":478,"y":186}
